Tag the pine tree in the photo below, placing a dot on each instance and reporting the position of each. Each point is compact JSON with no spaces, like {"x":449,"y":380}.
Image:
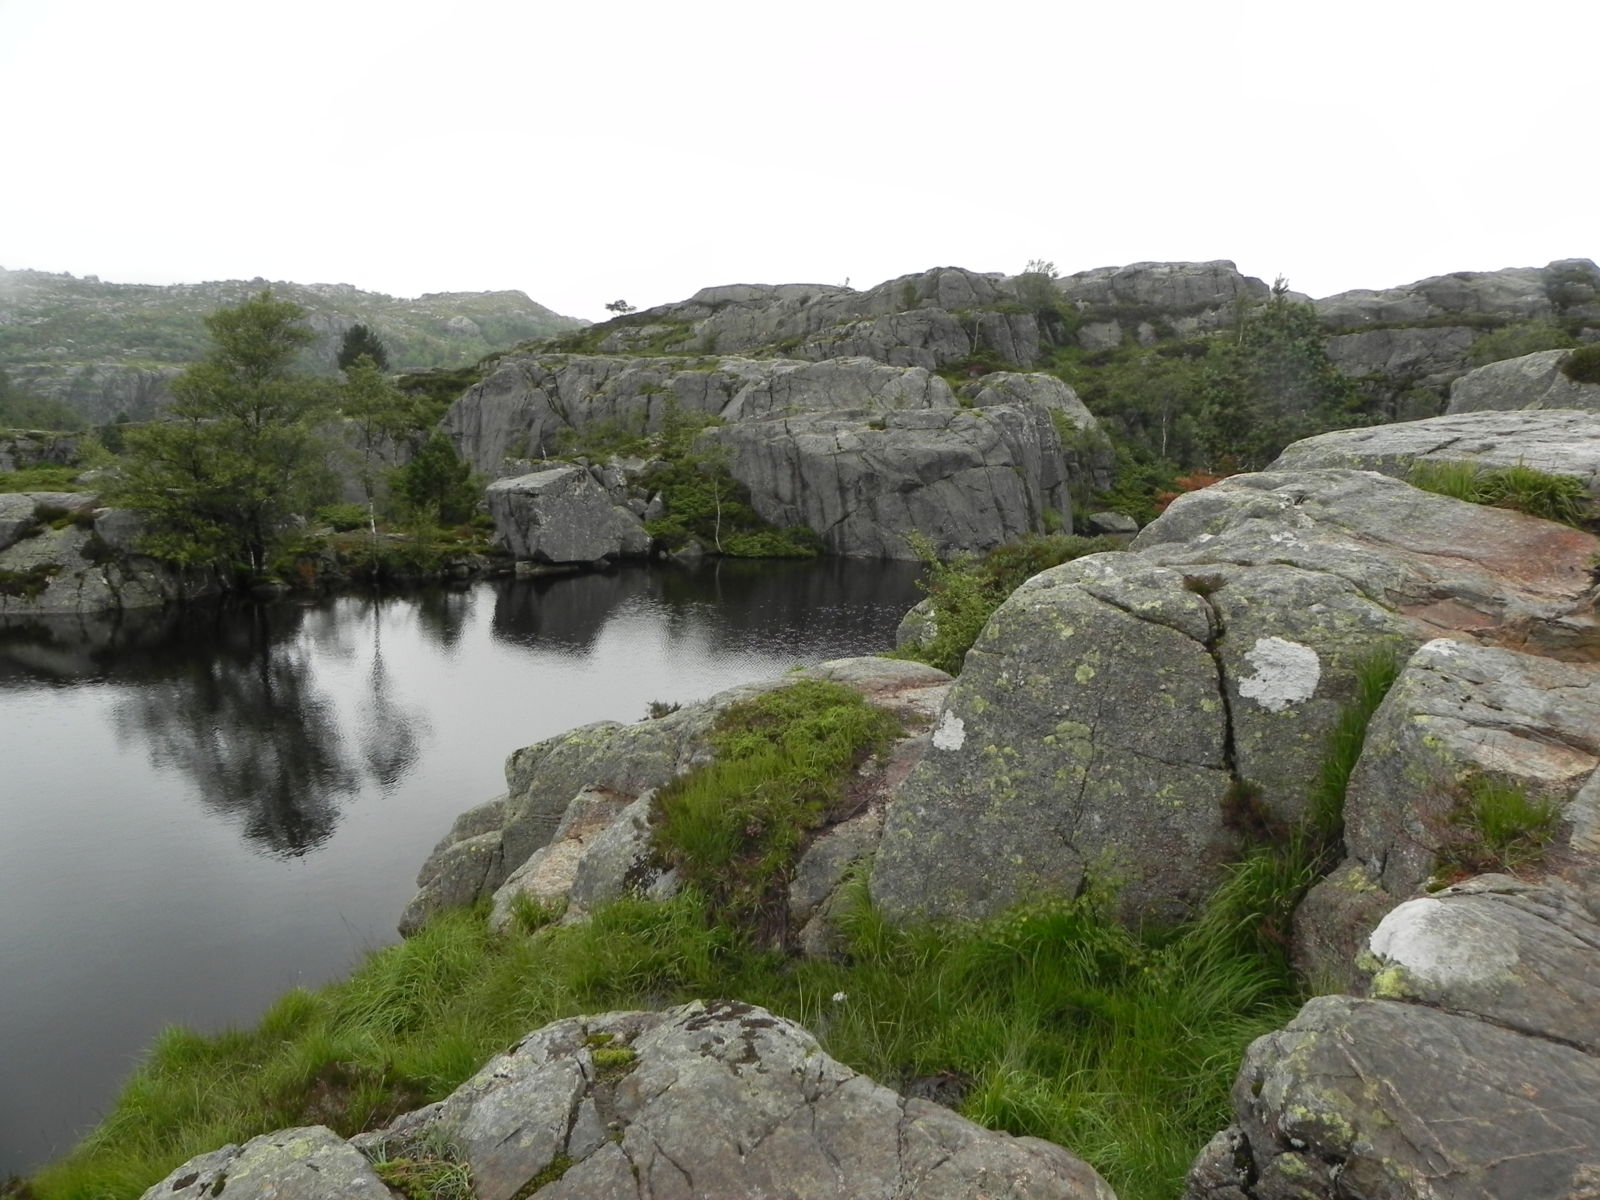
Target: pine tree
{"x":358,"y":341}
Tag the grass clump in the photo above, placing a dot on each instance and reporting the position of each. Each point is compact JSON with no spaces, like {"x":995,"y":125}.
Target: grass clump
{"x":964,"y":591}
{"x":1558,"y":498}
{"x":1496,"y":827}
{"x":734,"y":828}
{"x":429,"y":1167}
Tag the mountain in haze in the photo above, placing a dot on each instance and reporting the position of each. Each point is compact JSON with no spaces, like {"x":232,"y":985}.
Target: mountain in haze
{"x":106,"y":349}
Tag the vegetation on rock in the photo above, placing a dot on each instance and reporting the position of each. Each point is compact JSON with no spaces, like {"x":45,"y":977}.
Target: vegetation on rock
{"x":964,"y":590}
{"x":1559,"y":498}
{"x":1582,"y":365}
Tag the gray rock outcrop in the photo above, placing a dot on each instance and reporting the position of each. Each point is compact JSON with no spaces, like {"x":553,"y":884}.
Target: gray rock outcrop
{"x":862,"y":452}
{"x":711,"y":1100}
{"x":1532,"y":381}
{"x":573,"y":827}
{"x":1566,"y":287}
{"x":1122,"y":717}
{"x":21,"y":449}
{"x":562,"y":515}
{"x":1557,"y":442}
{"x":62,"y":553}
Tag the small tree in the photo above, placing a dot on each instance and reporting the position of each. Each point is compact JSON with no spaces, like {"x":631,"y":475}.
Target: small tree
{"x":620,"y":307}
{"x":359,"y":341}
{"x":437,"y":483}
{"x":220,"y":479}
{"x":380,"y":414}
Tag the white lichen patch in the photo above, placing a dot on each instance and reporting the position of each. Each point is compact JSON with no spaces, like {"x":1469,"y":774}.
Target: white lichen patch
{"x":1428,"y":939}
{"x":1285,"y":673}
{"x":951,"y":733}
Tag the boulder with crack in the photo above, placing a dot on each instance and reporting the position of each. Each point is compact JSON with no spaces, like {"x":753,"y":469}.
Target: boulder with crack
{"x":1470,"y":1074}
{"x":1124,"y":719}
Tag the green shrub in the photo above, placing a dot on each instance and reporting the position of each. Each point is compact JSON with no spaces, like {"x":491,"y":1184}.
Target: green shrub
{"x":344,"y":517}
{"x":1558,"y":498}
{"x":1525,"y":337}
{"x":1583,"y":364}
{"x":40,"y":479}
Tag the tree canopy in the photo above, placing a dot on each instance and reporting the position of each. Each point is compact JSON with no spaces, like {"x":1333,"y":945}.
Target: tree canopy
{"x":221,"y":477}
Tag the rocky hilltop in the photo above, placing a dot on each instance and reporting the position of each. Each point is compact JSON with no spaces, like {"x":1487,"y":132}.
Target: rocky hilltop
{"x":106,"y":349}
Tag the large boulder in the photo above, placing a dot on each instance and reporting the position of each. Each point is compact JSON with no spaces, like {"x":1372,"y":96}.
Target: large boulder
{"x":1124,"y":719}
{"x":563,"y":515}
{"x":1558,"y":442}
{"x":1191,"y":296}
{"x":1532,"y":381}
{"x":712,"y":1100}
{"x":1469,"y":1074}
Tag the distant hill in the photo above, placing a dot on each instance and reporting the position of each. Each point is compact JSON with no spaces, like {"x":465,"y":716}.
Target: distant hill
{"x":109,"y":348}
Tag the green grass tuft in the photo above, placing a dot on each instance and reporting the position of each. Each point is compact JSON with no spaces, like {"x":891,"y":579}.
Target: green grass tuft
{"x":1558,"y":498}
{"x":1496,"y":827}
{"x":40,"y":479}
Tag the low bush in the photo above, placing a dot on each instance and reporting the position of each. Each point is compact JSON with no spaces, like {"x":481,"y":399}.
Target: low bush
{"x":40,"y":479}
{"x":1583,"y":364}
{"x":734,"y":828}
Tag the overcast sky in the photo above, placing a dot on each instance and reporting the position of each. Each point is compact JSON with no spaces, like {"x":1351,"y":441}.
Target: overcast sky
{"x":586,"y":151}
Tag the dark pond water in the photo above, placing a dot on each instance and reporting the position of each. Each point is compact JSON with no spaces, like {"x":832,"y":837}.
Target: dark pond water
{"x":198,"y":812}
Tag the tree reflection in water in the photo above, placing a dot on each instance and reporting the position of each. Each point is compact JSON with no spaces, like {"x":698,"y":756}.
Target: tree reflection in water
{"x":238,"y":710}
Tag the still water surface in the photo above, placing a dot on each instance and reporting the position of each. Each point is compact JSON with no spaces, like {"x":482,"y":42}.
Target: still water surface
{"x":198,"y":812}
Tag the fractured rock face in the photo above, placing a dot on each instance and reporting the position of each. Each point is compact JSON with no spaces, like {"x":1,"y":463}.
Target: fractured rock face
{"x":862,"y":452}
{"x":1471,"y":1073}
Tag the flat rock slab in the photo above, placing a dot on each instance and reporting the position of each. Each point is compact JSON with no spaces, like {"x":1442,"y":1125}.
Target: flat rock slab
{"x":1532,"y":381}
{"x":1558,"y":442}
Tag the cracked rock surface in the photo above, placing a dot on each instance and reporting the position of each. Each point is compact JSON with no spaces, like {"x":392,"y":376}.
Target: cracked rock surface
{"x":87,"y":567}
{"x":716,"y":1100}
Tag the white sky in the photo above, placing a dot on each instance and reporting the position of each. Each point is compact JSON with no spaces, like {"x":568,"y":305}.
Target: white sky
{"x":588,"y":151}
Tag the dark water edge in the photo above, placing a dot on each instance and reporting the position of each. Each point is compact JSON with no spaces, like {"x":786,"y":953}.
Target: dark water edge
{"x":202,"y":808}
